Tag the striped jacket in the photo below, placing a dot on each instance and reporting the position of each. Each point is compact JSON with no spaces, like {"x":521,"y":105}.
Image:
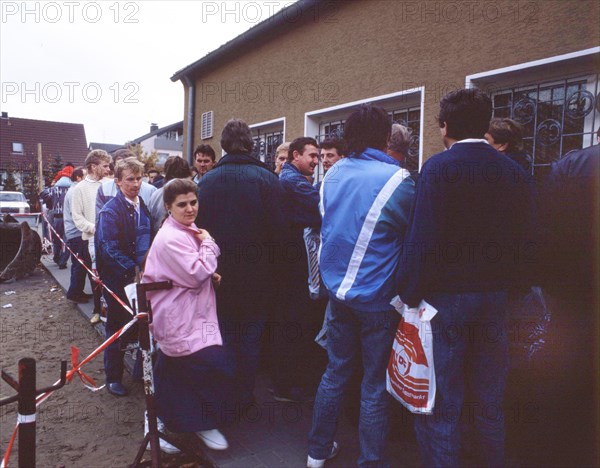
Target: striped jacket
{"x":365,"y":205}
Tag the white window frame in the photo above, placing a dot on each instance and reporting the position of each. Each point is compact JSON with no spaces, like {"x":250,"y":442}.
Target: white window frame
{"x":556,"y":63}
{"x":269,"y":124}
{"x":311,"y":123}
{"x":207,"y":122}
{"x":16,"y":145}
{"x":559,"y":67}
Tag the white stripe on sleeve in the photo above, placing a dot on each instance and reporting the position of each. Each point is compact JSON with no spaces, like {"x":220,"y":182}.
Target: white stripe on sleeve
{"x":364,"y":237}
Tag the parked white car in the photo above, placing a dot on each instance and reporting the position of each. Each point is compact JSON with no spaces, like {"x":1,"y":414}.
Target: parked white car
{"x":13,"y":202}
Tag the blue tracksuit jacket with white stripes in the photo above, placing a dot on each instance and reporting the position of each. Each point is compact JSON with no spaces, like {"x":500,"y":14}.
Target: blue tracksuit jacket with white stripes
{"x":365,"y":205}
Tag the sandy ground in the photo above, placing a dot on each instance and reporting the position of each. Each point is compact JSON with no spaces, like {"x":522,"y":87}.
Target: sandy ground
{"x":75,"y":427}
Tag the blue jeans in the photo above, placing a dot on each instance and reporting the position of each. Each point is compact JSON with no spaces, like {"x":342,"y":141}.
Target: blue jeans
{"x":61,"y":254}
{"x":116,"y":318}
{"x":470,"y":349}
{"x":350,"y":331}
{"x":77,"y":271}
{"x":84,"y":254}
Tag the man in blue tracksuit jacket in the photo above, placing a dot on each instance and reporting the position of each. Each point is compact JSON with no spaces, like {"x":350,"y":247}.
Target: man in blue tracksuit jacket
{"x":365,"y":204}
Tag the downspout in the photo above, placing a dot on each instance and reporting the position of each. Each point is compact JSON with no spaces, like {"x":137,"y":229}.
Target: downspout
{"x":189,"y":139}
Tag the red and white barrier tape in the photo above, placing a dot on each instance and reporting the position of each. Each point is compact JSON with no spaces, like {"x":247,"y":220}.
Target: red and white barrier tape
{"x":75,"y":351}
{"x":94,"y":274}
{"x":70,"y":374}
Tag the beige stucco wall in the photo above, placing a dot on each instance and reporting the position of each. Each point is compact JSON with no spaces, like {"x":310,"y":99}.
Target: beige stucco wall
{"x":370,"y":48}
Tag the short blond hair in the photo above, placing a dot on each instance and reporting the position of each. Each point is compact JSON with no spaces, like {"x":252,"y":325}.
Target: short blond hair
{"x":132,"y":164}
{"x":283,"y":147}
{"x":96,"y":157}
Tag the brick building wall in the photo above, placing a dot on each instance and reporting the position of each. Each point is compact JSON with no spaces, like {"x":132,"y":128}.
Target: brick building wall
{"x":362,"y":49}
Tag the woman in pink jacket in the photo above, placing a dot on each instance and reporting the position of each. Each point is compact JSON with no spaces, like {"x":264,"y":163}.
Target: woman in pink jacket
{"x":191,"y":375}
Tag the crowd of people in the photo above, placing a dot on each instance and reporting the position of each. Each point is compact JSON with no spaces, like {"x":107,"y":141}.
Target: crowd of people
{"x":253,"y":252}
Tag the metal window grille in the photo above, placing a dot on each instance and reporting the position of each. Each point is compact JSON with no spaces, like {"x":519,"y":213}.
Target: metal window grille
{"x":265,"y":145}
{"x":410,"y":117}
{"x":207,"y":125}
{"x":557,"y":116}
{"x":333,"y":129}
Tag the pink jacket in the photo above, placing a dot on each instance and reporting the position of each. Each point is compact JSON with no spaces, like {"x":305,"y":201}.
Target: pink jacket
{"x":185,"y":317}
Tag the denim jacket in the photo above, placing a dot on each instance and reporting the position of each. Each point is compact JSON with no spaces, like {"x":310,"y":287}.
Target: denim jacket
{"x":120,"y":244}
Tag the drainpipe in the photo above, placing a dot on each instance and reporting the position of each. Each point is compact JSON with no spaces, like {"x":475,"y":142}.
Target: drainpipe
{"x":189,"y":139}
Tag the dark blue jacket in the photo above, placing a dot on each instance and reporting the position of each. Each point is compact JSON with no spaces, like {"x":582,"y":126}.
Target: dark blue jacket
{"x":240,"y":203}
{"x":301,"y":210}
{"x":159,"y":181}
{"x":471,"y":225}
{"x":571,"y":223}
{"x":54,"y":197}
{"x":301,"y":198}
{"x":522,"y":159}
{"x":120,"y":244}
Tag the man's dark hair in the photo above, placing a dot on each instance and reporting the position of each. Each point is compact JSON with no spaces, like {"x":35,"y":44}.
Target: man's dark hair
{"x":298,"y":145}
{"x":123,"y":153}
{"x":509,"y":132}
{"x":77,"y":173}
{"x":69,"y":164}
{"x":337,"y":143}
{"x":177,"y":168}
{"x":236,"y":137}
{"x":205,"y":149}
{"x":467,"y":113}
{"x":152,"y":170}
{"x":367,"y":127}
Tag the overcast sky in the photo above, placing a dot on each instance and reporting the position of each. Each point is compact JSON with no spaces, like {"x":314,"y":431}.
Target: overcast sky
{"x":108,"y":64}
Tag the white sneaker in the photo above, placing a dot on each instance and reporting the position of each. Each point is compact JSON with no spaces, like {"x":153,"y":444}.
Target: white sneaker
{"x":314,"y":463}
{"x":164,"y":445}
{"x":213,"y":439}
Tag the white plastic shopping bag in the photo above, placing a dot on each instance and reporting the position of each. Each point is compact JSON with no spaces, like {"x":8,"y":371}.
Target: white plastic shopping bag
{"x":411,"y":372}
{"x":131,"y":293}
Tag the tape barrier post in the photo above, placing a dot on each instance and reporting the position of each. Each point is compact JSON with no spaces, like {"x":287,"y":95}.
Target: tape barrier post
{"x":46,"y":393}
{"x":28,"y":419}
{"x":27,"y":412}
{"x":144,"y":338}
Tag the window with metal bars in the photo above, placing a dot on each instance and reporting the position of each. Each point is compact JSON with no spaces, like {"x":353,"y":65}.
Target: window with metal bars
{"x":265,"y":145}
{"x":409,"y":117}
{"x":557,"y":116}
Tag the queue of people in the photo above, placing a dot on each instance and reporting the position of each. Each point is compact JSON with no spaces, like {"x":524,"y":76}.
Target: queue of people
{"x":247,"y":247}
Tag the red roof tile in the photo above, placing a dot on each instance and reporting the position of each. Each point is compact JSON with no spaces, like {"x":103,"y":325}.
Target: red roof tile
{"x":66,"y":139}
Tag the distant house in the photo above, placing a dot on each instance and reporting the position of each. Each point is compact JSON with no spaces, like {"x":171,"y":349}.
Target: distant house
{"x":110,"y":148}
{"x":19,"y":140}
{"x":166,"y":141}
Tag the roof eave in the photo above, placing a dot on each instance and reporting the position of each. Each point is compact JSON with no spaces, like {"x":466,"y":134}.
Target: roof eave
{"x":270,"y":25}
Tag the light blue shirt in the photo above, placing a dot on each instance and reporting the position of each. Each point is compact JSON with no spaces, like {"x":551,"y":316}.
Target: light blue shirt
{"x":71,"y":232}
